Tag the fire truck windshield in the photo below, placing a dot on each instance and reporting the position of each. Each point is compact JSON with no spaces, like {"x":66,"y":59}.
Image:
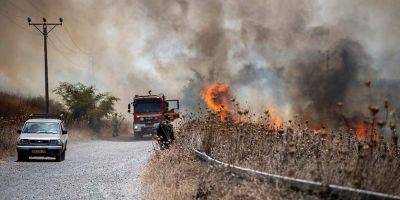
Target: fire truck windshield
{"x":148,"y":106}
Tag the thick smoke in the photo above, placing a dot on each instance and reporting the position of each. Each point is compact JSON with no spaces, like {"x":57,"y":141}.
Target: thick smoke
{"x":300,"y":57}
{"x":318,"y":83}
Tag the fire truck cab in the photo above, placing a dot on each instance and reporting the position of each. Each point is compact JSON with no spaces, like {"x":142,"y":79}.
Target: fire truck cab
{"x":149,"y":111}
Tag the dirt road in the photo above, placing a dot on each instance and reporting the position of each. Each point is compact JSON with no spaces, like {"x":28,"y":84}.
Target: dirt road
{"x":92,"y":170}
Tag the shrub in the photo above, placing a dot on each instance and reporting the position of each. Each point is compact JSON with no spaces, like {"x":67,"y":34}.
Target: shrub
{"x":84,"y":103}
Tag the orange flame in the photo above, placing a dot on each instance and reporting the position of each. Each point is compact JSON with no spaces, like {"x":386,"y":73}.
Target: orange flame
{"x":275,"y":120}
{"x":361,"y":131}
{"x":314,"y":128}
{"x":217,"y":97}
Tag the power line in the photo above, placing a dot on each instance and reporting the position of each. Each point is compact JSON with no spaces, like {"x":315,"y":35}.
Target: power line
{"x":36,"y":8}
{"x":70,"y":49}
{"x":12,"y":15}
{"x":73,"y":41}
{"x":67,"y":58}
{"x":19,"y":8}
{"x":14,"y":22}
{"x":67,"y":47}
{"x":66,"y":28}
{"x":63,"y":55}
{"x":49,"y":12}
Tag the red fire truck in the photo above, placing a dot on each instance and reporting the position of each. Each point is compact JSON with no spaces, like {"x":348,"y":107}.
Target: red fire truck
{"x":149,"y":111}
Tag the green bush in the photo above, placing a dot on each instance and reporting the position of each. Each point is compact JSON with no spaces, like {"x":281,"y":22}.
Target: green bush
{"x":84,"y":103}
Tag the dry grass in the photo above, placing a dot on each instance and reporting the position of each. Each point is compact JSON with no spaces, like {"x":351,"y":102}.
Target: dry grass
{"x":8,"y":136}
{"x":177,"y":174}
{"x":171,"y":174}
{"x":332,"y":157}
{"x":13,"y":105}
{"x":14,"y":110}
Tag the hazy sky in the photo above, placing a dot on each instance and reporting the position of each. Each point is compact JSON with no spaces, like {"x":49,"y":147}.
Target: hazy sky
{"x":174,"y":47}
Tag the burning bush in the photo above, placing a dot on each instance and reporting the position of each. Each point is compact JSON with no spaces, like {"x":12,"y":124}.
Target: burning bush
{"x":218,"y":98}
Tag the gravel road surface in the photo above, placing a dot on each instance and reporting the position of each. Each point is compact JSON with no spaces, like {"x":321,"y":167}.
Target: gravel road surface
{"x":98,"y":169}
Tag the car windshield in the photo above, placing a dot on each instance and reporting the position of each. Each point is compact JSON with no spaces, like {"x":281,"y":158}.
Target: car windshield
{"x":148,"y":106}
{"x":41,"y":127}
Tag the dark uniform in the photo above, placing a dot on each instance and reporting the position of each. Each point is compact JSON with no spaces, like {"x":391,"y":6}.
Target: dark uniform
{"x":165,"y":134}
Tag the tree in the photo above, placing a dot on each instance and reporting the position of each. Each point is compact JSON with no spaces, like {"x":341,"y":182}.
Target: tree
{"x":84,"y":103}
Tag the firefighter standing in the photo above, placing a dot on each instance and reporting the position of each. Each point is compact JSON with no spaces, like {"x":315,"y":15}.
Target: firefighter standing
{"x":115,"y":125}
{"x":165,"y":133}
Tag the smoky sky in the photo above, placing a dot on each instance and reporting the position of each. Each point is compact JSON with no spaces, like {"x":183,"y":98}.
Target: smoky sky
{"x":272,"y":52}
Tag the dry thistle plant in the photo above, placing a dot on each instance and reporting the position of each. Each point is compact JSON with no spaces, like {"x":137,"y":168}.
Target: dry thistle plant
{"x":329,"y":156}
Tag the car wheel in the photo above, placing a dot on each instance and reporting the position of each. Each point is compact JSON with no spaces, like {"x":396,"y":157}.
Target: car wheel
{"x":22,"y":157}
{"x":58,"y":157}
{"x":63,"y":155}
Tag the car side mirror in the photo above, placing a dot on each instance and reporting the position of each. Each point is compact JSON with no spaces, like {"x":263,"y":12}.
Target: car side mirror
{"x":19,"y":131}
{"x":64,"y":132}
{"x":129,"y":108}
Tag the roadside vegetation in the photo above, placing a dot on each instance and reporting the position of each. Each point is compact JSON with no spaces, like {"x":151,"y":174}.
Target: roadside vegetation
{"x":85,"y":105}
{"x":176,"y":173}
{"x":329,"y":156}
{"x":86,"y":111}
{"x":14,"y":110}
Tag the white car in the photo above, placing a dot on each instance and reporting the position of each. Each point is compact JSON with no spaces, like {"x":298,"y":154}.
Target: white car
{"x":42,"y":136}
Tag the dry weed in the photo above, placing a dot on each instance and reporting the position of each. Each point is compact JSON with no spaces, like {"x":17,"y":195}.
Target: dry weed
{"x":332,"y":157}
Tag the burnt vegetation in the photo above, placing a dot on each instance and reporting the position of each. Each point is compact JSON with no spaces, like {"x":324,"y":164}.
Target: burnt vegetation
{"x":331,"y":157}
{"x":363,"y":156}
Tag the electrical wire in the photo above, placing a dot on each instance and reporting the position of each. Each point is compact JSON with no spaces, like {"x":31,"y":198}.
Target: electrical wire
{"x":19,"y":8}
{"x":73,"y":41}
{"x":14,"y":22}
{"x":12,"y":15}
{"x":67,"y":47}
{"x":52,"y":44}
{"x":37,"y":8}
{"x":48,"y":12}
{"x":66,"y":30}
{"x":64,"y":56}
{"x":70,"y":49}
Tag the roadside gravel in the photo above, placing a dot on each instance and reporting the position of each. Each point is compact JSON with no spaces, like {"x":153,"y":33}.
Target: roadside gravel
{"x":98,"y":169}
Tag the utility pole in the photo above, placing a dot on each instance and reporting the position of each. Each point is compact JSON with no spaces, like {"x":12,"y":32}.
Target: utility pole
{"x":45,"y":34}
{"x":91,"y":68}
